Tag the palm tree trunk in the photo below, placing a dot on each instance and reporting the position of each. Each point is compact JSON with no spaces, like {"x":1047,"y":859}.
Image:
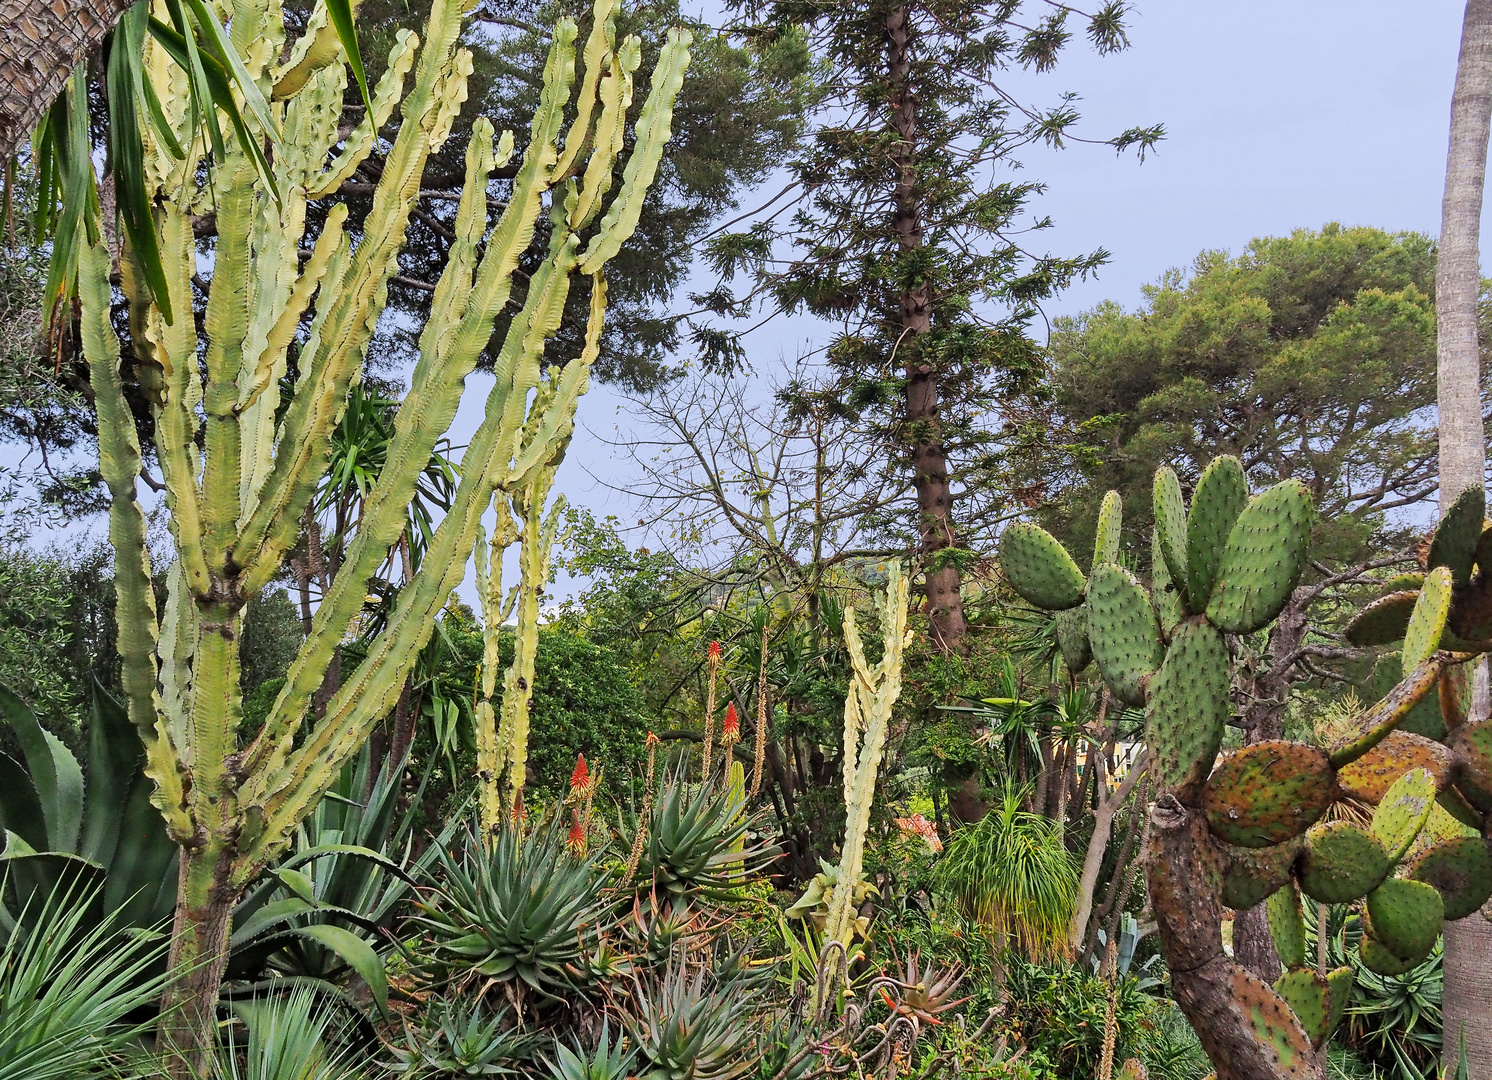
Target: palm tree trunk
{"x":1468,"y":943}
{"x":42,"y":43}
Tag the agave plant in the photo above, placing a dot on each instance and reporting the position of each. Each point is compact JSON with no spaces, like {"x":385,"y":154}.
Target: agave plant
{"x":68,"y":986}
{"x":696,"y":841}
{"x":290,"y":1036}
{"x":925,"y":991}
{"x":466,"y":1039}
{"x":607,"y":1061}
{"x":699,"y":1028}
{"x":519,"y":910}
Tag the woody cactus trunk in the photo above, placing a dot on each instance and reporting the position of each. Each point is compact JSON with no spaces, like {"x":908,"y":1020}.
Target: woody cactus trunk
{"x":1248,"y":828}
{"x":242,"y":453}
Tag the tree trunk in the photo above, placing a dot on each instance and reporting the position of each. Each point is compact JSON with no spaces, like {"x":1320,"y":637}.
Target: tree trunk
{"x":199,"y":956}
{"x":922,"y":433}
{"x":1109,"y":804}
{"x":42,"y":43}
{"x":1468,"y":944}
{"x":1245,"y":1027}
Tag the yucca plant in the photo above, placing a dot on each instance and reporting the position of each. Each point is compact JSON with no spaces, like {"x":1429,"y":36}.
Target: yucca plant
{"x":68,"y":987}
{"x":1011,"y":873}
{"x":699,"y":1027}
{"x":288,"y":1036}
{"x":696,"y":841}
{"x":517,"y":910}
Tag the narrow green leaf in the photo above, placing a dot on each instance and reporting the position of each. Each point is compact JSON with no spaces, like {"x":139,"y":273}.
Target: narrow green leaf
{"x":341,"y":16}
{"x":355,"y":952}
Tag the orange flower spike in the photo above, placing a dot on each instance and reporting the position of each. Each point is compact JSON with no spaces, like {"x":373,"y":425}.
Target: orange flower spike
{"x":730,"y":733}
{"x":652,"y":742}
{"x":580,"y":779}
{"x":576,"y":840}
{"x":714,"y":650}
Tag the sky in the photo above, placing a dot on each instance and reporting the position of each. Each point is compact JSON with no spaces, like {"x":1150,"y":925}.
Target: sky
{"x":1279,"y":114}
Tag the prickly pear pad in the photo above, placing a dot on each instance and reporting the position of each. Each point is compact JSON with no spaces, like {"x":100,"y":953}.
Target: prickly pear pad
{"x":1287,"y":925}
{"x":1369,"y":777}
{"x":1170,"y":527}
{"x":1460,"y":869}
{"x":1380,"y":959}
{"x":1222,"y":493}
{"x":1456,"y":536}
{"x":1163,"y":592}
{"x":1405,"y":916}
{"x":1039,"y":568}
{"x":1339,"y":982}
{"x":1188,"y":706}
{"x":1427,"y":620}
{"x":1263,"y":560}
{"x":1123,"y":632}
{"x":1403,"y":811}
{"x":1471,"y":746}
{"x":1424,"y":718}
{"x":1254,"y":873}
{"x":1072,"y":638}
{"x":1342,"y":863}
{"x":1268,"y":792}
{"x":1110,"y":521}
{"x":1373,"y":726}
{"x":1384,"y":621}
{"x":1309,"y":997}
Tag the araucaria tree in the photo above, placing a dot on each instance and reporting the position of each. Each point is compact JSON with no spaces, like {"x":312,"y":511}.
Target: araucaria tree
{"x":903,"y":235}
{"x":244,"y":433}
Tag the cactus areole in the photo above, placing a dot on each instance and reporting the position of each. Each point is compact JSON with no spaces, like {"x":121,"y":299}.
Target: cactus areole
{"x":1248,"y":828}
{"x":242,"y":453}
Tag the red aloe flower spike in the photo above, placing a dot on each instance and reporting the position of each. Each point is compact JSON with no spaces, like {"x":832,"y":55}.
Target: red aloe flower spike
{"x":576,"y":840}
{"x":730,"y":732}
{"x":714,"y":650}
{"x":652,"y":741}
{"x":580,"y":779}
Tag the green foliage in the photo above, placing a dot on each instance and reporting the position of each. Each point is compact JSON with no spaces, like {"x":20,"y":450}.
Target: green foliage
{"x":1334,"y":328}
{"x":292,"y":1035}
{"x":694,"y":1027}
{"x":1012,"y":874}
{"x":68,"y":987}
{"x":695,"y":842}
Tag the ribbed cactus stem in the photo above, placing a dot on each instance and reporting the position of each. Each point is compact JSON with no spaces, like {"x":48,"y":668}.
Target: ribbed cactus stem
{"x":867,"y":715}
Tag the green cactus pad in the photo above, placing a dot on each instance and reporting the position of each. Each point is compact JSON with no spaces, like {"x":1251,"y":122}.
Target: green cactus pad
{"x":1264,"y":557}
{"x":1339,"y":983}
{"x":1384,"y":621}
{"x":1287,"y":925}
{"x":1284,"y":1041}
{"x":1039,"y":568}
{"x":1188,"y":706}
{"x":1484,"y":550}
{"x":1342,"y":863}
{"x":1072,"y":638}
{"x":1455,"y":804}
{"x":1403,"y":811}
{"x":1123,"y":632}
{"x":1369,"y":777}
{"x":1309,"y":997}
{"x":1110,"y":521}
{"x":1461,"y":871}
{"x":1427,"y":621}
{"x":1456,"y":536}
{"x":1170,"y":527}
{"x":1163,"y":593}
{"x":1268,"y":792}
{"x":1403,"y":583}
{"x":1424,"y":718}
{"x":1373,"y":726}
{"x":1471,"y":749}
{"x":1380,"y":959}
{"x":1255,"y":873}
{"x":1455,"y":692}
{"x":1222,"y":493}
{"x":1405,"y":916}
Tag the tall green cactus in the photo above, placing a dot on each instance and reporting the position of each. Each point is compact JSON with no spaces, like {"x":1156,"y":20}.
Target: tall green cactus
{"x":241,"y":459}
{"x":1248,"y":827}
{"x":867,"y":714}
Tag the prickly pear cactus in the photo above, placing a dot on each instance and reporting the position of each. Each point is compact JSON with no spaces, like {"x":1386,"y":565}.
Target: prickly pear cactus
{"x":1256,"y":825}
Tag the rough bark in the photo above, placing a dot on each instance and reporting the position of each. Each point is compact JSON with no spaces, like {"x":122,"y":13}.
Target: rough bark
{"x":1468,"y":945}
{"x":923,"y":425}
{"x":1226,"y":1004}
{"x":199,"y":949}
{"x":42,"y":43}
{"x":1263,"y":718}
{"x":1103,"y":824}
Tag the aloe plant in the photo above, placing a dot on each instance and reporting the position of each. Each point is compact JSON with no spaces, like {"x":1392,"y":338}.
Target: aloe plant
{"x":241,"y":457}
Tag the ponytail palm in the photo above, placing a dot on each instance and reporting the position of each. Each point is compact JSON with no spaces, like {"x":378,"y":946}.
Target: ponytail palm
{"x":1011,"y":873}
{"x":243,"y":452}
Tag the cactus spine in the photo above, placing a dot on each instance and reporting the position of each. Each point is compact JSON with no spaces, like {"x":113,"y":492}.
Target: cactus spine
{"x":240,"y":464}
{"x":1249,"y":828}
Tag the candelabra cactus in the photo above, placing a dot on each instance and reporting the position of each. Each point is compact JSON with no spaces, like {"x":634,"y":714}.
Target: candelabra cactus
{"x":1249,"y":828}
{"x":241,"y":458}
